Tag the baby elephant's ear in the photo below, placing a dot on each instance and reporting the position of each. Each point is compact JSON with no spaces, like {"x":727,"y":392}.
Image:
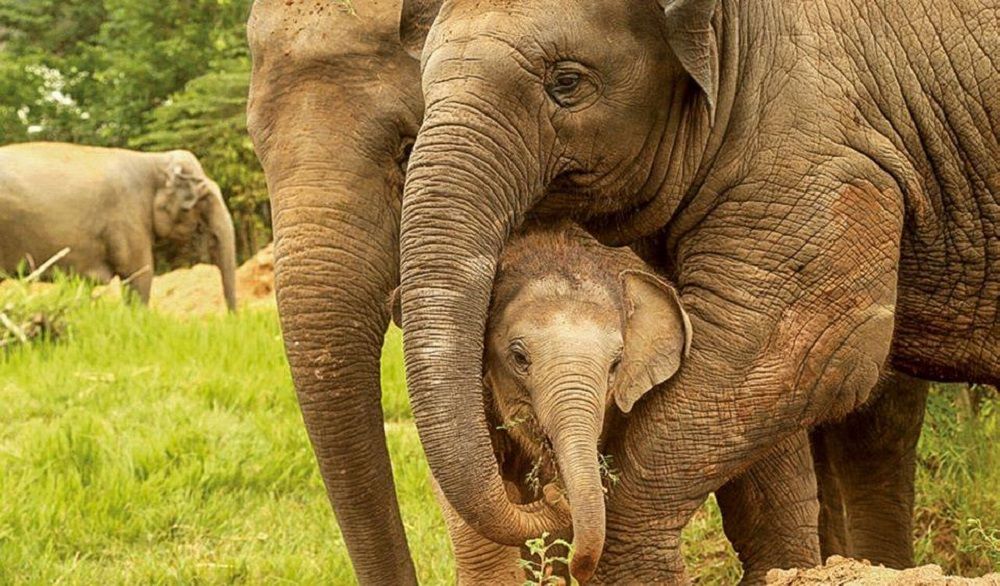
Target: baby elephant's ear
{"x":395,"y":307}
{"x":657,"y":335}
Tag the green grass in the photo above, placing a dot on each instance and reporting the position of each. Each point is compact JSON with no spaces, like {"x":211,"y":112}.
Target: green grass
{"x":144,"y":449}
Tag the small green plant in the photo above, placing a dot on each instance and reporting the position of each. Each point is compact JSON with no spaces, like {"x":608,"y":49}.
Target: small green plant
{"x":981,"y":541}
{"x":542,"y":562}
{"x":32,"y":312}
{"x":609,"y":474}
{"x":533,"y":478}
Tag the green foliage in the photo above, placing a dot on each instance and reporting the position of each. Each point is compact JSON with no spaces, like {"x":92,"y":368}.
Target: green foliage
{"x":545,"y":560}
{"x":958,"y":475}
{"x":150,"y":74}
{"x":33,"y":312}
{"x":95,"y":69}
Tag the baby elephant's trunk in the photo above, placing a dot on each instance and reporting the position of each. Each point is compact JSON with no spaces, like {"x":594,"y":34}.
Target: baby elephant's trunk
{"x":575,"y":418}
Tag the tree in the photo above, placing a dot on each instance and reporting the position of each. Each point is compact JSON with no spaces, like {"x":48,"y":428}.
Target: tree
{"x":208,"y":118}
{"x":153,"y":74}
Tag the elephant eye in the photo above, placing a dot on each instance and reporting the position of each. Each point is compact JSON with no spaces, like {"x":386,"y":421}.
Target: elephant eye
{"x":568,"y":84}
{"x":613,"y":369}
{"x":519,"y":357}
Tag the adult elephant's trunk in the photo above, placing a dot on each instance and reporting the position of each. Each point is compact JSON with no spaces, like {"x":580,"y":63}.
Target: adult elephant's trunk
{"x":468,"y":184}
{"x":223,"y":249}
{"x":329,"y":158}
{"x":572,"y":420}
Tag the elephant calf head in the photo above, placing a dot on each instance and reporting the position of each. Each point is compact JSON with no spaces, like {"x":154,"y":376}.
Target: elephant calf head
{"x":577,"y":332}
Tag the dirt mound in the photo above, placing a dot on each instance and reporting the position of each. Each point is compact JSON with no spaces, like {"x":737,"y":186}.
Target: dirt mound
{"x":198,"y":290}
{"x":848,"y":572}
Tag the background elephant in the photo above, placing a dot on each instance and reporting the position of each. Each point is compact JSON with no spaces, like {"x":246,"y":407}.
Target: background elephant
{"x":826,"y":203}
{"x":109,"y":207}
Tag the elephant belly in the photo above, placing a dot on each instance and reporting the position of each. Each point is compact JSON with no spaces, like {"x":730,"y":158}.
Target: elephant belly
{"x":23,"y":241}
{"x":948,"y":311}
{"x":945,"y":112}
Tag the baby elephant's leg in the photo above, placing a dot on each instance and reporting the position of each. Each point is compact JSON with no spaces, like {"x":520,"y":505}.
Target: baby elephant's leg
{"x":478,"y":560}
{"x":771,"y":512}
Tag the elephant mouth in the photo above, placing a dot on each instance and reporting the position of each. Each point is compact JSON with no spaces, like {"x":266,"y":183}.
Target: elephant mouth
{"x":526,"y":461}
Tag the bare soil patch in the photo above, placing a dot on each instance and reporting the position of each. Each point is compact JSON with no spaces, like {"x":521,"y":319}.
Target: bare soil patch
{"x":197,"y":291}
{"x":849,"y":572}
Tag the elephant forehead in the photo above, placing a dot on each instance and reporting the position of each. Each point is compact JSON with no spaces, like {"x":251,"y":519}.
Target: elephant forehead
{"x":553,"y":312}
{"x":544,"y":23}
{"x":563,"y":294}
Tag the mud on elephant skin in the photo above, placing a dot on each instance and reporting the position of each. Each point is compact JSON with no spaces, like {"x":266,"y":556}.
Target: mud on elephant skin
{"x":812,"y":200}
{"x":109,"y":207}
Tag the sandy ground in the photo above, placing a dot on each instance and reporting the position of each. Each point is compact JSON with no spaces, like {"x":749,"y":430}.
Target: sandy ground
{"x":197,"y":291}
{"x":848,"y":572}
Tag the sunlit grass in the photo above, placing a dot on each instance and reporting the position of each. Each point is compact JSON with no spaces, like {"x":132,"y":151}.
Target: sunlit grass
{"x":145,"y":449}
{"x":142,"y":449}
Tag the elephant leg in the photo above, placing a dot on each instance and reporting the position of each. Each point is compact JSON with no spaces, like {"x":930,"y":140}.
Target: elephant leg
{"x":832,"y":530}
{"x":770,"y":512}
{"x":866,"y":464}
{"x":137,"y":273}
{"x":142,"y":284}
{"x":478,"y":559}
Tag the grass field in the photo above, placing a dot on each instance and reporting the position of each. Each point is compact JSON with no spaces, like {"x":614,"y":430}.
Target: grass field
{"x":146,"y":449}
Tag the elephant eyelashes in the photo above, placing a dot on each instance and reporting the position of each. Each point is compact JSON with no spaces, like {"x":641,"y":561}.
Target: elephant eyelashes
{"x":568,"y":84}
{"x":519,"y":357}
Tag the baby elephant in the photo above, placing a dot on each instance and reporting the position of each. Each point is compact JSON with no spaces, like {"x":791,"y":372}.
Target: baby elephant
{"x":577,"y":333}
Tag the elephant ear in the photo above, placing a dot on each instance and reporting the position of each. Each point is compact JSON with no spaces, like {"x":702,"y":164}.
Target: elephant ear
{"x":415,"y":22}
{"x":181,"y":190}
{"x":657,"y":336}
{"x":692,"y":38}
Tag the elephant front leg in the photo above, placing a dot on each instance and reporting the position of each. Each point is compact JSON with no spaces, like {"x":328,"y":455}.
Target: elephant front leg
{"x":478,"y":559}
{"x":770,"y":512}
{"x":866,"y":466}
{"x":136,"y":273}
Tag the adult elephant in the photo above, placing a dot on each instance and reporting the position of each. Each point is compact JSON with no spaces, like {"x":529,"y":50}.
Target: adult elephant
{"x":334,"y":105}
{"x":109,"y":207}
{"x":823,"y":178}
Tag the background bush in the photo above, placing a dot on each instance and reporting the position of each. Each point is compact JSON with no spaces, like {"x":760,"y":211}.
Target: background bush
{"x":145,"y":74}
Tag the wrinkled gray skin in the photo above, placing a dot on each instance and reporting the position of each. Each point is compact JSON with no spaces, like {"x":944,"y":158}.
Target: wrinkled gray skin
{"x":109,"y":207}
{"x":822,"y":179}
{"x":334,"y":104}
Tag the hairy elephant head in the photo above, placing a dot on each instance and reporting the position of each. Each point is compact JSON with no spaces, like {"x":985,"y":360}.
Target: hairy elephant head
{"x":596,"y":109}
{"x":571,"y":334}
{"x":186,"y":203}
